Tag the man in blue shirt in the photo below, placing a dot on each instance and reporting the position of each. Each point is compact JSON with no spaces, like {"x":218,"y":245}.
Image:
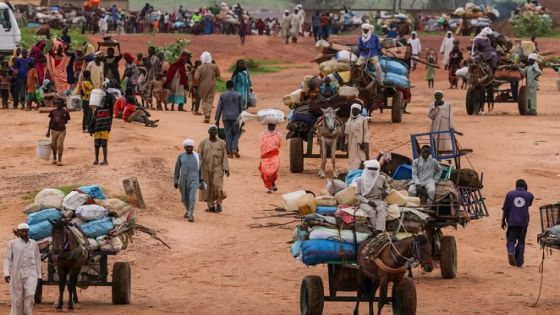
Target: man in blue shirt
{"x":516,"y":219}
{"x":369,"y":47}
{"x":21,"y":66}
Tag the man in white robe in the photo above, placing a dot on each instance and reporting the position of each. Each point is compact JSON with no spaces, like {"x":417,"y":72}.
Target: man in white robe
{"x":416,"y":46}
{"x":371,"y":189}
{"x":446,"y":48}
{"x":22,"y":269}
{"x":357,"y":137}
{"x":426,"y":171}
{"x":441,"y":114}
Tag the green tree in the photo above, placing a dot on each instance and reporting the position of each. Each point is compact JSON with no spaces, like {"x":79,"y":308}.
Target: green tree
{"x":536,"y":25}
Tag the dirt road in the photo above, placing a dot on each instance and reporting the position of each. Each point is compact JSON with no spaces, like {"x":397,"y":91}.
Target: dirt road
{"x":219,"y":265}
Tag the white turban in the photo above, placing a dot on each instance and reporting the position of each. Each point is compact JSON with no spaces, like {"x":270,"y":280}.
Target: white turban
{"x":212,"y":126}
{"x":188,"y":143}
{"x":533,"y":56}
{"x":367,"y":26}
{"x":414,"y":33}
{"x":23,"y":226}
{"x":369,"y":177}
{"x":449,"y":33}
{"x":356,"y":105}
{"x":438,"y":91}
{"x":486,"y":31}
{"x":206,"y":57}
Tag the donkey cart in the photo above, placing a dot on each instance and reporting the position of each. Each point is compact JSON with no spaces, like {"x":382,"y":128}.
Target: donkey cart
{"x":343,"y":277}
{"x":94,"y":273}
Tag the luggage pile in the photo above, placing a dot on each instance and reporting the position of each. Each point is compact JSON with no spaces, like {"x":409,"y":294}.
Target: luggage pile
{"x":102,"y":223}
{"x":333,"y":226}
{"x":469,"y":18}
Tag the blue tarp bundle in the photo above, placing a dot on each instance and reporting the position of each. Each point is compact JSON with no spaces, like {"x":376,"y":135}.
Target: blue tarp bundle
{"x":40,"y":230}
{"x":93,"y":191}
{"x":97,"y":228}
{"x":321,"y":251}
{"x":43,"y":215}
{"x":325,"y":210}
{"x":396,"y":80}
{"x":393,"y":66}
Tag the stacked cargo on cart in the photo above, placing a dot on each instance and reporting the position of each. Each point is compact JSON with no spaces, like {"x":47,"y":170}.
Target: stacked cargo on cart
{"x":550,"y":226}
{"x":470,"y":19}
{"x":103,"y":226}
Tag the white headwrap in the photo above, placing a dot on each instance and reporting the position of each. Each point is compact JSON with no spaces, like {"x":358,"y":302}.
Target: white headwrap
{"x":486,"y":31}
{"x":438,"y":91}
{"x":188,"y":143}
{"x":414,"y":33}
{"x":366,"y":27}
{"x":449,"y":33}
{"x":212,"y":126}
{"x":355,"y":105}
{"x":369,"y":177}
{"x":23,"y":226}
{"x":205,"y":57}
{"x":533,"y":56}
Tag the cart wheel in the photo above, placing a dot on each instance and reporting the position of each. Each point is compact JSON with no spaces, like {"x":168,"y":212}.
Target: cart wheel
{"x":523,"y":101}
{"x":39,"y":292}
{"x":404,"y":297}
{"x":474,"y":101}
{"x":296,"y":155}
{"x":121,"y":283}
{"x":397,"y":107}
{"x":448,"y":257}
{"x":311,"y":296}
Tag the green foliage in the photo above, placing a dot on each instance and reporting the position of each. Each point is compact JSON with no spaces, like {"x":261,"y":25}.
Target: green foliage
{"x":220,"y":85}
{"x":28,"y":38}
{"x":536,"y":25}
{"x":172,"y":51}
{"x":260,"y":66}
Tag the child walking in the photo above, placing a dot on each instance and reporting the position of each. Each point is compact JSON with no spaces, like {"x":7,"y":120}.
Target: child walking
{"x":4,"y":87}
{"x":85,"y":91}
{"x":195,"y":96}
{"x":100,"y":127}
{"x":157,"y":90}
{"x":57,"y":129}
{"x":430,"y":70}
{"x":32,"y":84}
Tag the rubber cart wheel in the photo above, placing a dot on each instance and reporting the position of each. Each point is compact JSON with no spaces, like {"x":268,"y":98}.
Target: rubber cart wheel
{"x":474,"y":101}
{"x":312,"y":296}
{"x":404,"y":297}
{"x":448,"y":257}
{"x":397,"y":107}
{"x":39,"y":292}
{"x":296,"y":155}
{"x":121,"y":283}
{"x":523,"y":101}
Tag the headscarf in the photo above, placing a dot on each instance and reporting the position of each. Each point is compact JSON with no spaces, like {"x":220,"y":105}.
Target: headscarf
{"x":205,"y":57}
{"x":128,"y":57}
{"x":23,"y":226}
{"x":369,"y":177}
{"x":178,"y":67}
{"x":238,"y":69}
{"x":366,"y":36}
{"x":188,"y":143}
{"x":355,"y":105}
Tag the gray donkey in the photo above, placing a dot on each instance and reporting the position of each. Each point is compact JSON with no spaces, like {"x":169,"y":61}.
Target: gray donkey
{"x":328,"y":128}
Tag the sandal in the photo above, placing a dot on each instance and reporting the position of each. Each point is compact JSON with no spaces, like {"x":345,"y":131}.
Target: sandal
{"x":95,"y":162}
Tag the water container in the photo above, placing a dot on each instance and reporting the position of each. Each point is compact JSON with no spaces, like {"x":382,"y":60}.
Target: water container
{"x":289,"y":200}
{"x":307,"y":204}
{"x":404,"y":171}
{"x":74,"y":102}
{"x":44,"y":149}
{"x":96,"y":97}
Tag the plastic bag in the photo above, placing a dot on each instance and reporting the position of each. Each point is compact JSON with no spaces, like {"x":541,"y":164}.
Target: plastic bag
{"x":252,"y":100}
{"x":91,"y":212}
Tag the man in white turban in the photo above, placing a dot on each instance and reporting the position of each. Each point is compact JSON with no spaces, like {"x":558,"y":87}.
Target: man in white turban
{"x":206,"y":75}
{"x":369,"y":46}
{"x":441,"y":114}
{"x":214,"y":164}
{"x":286,"y":26}
{"x":22,"y":270}
{"x":357,"y":137}
{"x":482,"y":48}
{"x":416,"y":46}
{"x":295,"y":24}
{"x":371,"y":189}
{"x":446,"y":48}
{"x":532,"y":73}
{"x":187,"y":177}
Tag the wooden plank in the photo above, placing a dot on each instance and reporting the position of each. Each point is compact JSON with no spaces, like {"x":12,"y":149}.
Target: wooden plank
{"x":133,"y":192}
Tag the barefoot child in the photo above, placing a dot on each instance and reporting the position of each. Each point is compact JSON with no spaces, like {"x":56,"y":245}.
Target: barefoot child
{"x":4,"y":87}
{"x":85,"y":92}
{"x":32,"y":84}
{"x":157,"y":90}
{"x":57,"y":129}
{"x":430,"y":70}
{"x":100,"y":127}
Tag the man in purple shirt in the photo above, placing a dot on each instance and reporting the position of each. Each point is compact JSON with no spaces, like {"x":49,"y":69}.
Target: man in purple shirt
{"x":516,"y":219}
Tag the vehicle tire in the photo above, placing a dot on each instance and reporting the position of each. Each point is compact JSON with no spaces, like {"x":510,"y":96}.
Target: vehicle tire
{"x":296,"y":155}
{"x":523,"y":101}
{"x":39,"y":292}
{"x":121,"y":283}
{"x":448,"y":257}
{"x":404,"y":297}
{"x":312,"y":296}
{"x":397,"y":107}
{"x":474,"y":101}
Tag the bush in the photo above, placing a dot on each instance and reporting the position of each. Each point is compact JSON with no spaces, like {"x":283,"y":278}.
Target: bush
{"x":259,"y":66}
{"x":536,"y":25}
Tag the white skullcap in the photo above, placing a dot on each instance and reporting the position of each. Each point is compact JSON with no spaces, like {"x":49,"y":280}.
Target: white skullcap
{"x":205,"y":57}
{"x":371,"y":163}
{"x":212,"y":126}
{"x":367,"y":26}
{"x":413,"y":33}
{"x":299,"y":6}
{"x":287,"y":11}
{"x":533,"y":56}
{"x":438,"y":91}
{"x":188,"y":143}
{"x":356,"y":105}
{"x":450,"y":32}
{"x":106,"y":82}
{"x":23,"y":226}
{"x":486,"y":31}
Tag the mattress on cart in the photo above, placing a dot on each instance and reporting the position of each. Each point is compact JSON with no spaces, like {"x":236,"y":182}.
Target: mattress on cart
{"x":321,"y":251}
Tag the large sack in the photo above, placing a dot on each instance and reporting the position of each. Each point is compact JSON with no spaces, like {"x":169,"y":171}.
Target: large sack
{"x":347,"y":196}
{"x":91,"y":212}
{"x":396,"y":80}
{"x":293,"y":98}
{"x":40,"y":230}
{"x":346,"y":56}
{"x":115,"y":206}
{"x":393,"y":66}
{"x":326,"y":201}
{"x":114,"y":245}
{"x":323,"y":233}
{"x":97,"y":227}
{"x":270,"y":116}
{"x":73,"y":200}
{"x":94,"y":191}
{"x":44,"y":215}
{"x":462,"y":73}
{"x":348,"y":91}
{"x":49,"y":198}
{"x":321,"y":251}
{"x":333,"y":65}
{"x":333,"y":186}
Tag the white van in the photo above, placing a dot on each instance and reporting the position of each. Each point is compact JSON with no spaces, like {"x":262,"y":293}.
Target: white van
{"x":10,"y":35}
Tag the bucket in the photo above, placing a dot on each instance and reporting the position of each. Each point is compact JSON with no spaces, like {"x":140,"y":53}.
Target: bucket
{"x":290,"y":200}
{"x":44,"y":149}
{"x":96,"y":97}
{"x":74,"y":102}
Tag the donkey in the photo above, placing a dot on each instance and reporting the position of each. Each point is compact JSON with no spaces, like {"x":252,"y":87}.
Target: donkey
{"x":389,"y":264}
{"x":328,"y":127}
{"x":69,"y":256}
